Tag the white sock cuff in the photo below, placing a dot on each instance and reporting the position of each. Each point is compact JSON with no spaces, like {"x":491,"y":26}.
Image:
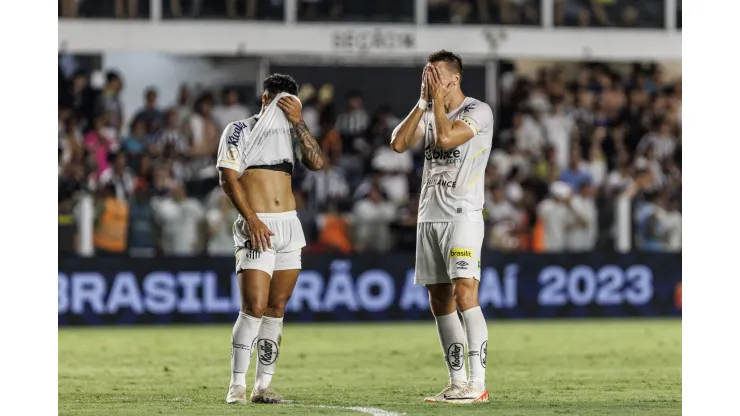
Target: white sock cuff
{"x":269,"y":320}
{"x":442,"y":318}
{"x":249,"y":317}
{"x":470,"y":311}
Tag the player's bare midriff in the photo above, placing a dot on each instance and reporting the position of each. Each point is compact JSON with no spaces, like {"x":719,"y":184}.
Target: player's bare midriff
{"x":268,"y":191}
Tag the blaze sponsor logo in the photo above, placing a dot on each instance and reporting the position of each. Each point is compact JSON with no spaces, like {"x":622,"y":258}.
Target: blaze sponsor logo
{"x":461,"y":252}
{"x":442,"y":156}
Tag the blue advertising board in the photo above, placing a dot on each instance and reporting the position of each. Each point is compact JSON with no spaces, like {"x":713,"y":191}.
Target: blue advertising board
{"x":112,"y":291}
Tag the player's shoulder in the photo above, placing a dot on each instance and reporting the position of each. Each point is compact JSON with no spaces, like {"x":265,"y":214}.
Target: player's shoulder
{"x":242,"y":125}
{"x":476,"y":105}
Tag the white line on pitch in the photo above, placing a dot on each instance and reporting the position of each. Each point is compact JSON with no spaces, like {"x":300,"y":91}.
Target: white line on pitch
{"x":368,"y":410}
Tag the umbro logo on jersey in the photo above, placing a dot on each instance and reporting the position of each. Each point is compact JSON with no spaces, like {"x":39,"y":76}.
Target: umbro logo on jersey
{"x":462,"y":265}
{"x":468,"y":108}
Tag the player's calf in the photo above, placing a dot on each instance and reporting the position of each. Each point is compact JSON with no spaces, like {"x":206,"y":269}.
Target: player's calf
{"x":476,"y":330}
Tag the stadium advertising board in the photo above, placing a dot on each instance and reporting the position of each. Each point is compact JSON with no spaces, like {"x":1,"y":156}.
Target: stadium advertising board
{"x":279,"y":40}
{"x":104,"y":291}
{"x":359,"y":40}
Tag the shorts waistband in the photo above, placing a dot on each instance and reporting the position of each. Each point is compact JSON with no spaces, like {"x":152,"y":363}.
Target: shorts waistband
{"x":277,"y":215}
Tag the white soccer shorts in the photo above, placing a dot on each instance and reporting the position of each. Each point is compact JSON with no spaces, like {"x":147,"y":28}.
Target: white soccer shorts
{"x":287,"y":243}
{"x":448,"y":250}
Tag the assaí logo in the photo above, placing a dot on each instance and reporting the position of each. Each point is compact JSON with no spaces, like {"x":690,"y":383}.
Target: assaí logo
{"x":446,"y":157}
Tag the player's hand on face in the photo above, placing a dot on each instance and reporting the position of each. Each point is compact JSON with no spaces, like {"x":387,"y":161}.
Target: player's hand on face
{"x":258,"y":233}
{"x":292,"y":109}
{"x":425,"y":84}
{"x":439,"y":87}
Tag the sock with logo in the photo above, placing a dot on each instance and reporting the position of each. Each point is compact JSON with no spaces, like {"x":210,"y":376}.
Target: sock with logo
{"x":243,"y":337}
{"x":268,"y":347}
{"x":452,"y":339}
{"x":477,"y":333}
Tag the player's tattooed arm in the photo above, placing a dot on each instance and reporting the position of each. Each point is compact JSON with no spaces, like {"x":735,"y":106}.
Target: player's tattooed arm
{"x":309,"y":150}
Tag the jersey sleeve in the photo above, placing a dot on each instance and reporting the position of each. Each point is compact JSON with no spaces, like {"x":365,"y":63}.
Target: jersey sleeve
{"x":425,"y":122}
{"x":478,"y":116}
{"x":231,"y":147}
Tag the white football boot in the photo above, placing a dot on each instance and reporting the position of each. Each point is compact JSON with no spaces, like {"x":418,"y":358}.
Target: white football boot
{"x":460,"y":394}
{"x":237,"y":394}
{"x":267,"y":395}
{"x":451,"y":389}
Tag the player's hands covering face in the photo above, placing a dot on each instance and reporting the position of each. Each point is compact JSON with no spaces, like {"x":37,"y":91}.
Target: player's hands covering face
{"x":259,"y":234}
{"x":438,"y":86}
{"x":425,"y":85}
{"x":292,"y":109}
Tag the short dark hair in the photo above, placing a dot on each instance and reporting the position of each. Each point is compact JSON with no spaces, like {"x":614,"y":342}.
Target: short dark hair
{"x":111,"y":76}
{"x":277,"y":83}
{"x":447,"y":57}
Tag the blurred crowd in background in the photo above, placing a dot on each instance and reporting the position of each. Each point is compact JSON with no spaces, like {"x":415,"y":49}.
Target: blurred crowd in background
{"x":583,"y":13}
{"x":568,"y":145}
{"x":564,"y":149}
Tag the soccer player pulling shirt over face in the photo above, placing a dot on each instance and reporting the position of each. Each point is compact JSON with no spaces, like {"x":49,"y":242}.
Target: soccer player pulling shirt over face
{"x":255,"y":162}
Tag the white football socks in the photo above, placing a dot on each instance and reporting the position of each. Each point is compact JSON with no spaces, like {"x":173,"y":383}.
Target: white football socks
{"x":268,"y":347}
{"x":243,"y":337}
{"x":477,"y":333}
{"x":452,"y":339}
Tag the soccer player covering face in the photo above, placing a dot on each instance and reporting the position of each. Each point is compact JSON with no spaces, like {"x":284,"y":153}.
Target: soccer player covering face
{"x":456,"y":132}
{"x":267,"y":235}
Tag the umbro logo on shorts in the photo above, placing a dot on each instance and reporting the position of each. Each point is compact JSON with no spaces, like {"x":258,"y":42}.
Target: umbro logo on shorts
{"x":462,"y":265}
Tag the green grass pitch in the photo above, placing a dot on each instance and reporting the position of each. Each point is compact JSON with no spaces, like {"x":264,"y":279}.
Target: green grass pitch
{"x":585,"y":367}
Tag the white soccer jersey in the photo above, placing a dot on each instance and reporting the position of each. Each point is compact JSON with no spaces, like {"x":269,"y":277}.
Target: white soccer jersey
{"x":453,"y":180}
{"x":271,"y":147}
{"x":233,"y":145}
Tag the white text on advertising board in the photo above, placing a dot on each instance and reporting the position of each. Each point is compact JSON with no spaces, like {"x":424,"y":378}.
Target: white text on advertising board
{"x":373,"y":39}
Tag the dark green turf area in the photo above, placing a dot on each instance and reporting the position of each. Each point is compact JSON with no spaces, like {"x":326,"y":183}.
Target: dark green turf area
{"x":588,"y":367}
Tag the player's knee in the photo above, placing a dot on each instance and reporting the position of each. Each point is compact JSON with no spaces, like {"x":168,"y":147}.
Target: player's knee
{"x":465,"y":298}
{"x":277,"y":305}
{"x":255,"y":308}
{"x":442,"y":302}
